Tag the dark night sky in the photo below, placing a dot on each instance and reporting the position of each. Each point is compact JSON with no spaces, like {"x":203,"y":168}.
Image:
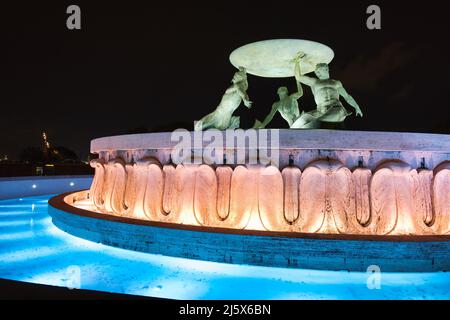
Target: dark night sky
{"x":162,"y":65}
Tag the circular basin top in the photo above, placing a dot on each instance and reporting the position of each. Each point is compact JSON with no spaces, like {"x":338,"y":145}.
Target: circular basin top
{"x":311,"y":139}
{"x":274,"y":58}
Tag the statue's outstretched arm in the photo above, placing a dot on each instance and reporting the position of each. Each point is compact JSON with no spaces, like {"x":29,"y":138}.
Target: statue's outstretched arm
{"x":267,"y":119}
{"x":350,"y":100}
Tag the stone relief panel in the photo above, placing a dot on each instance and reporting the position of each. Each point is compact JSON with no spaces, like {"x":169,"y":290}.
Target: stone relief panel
{"x":323,"y":197}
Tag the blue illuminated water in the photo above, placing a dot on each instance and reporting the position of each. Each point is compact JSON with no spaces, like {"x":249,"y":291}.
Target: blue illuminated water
{"x":33,"y":250}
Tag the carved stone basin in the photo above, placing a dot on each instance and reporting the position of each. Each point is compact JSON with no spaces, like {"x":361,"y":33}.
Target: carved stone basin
{"x":375,"y":186}
{"x":327,"y":181}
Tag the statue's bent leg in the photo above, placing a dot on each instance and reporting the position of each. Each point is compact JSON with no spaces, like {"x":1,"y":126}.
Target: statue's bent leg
{"x":306,"y":121}
{"x":334,"y":114}
{"x":234,"y":123}
{"x":206,"y":122}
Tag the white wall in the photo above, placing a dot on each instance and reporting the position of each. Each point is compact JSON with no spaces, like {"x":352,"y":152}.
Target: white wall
{"x":17,"y":187}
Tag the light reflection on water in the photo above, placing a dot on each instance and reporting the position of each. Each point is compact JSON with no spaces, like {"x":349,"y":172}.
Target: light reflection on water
{"x":33,"y":250}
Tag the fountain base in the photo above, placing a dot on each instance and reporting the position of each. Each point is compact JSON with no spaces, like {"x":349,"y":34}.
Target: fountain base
{"x":275,"y":249}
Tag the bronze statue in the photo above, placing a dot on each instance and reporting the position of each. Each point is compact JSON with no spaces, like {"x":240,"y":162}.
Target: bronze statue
{"x":222,"y":118}
{"x":326,"y":93}
{"x":287,"y":106}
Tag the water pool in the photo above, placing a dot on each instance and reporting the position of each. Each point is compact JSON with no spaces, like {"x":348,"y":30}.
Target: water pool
{"x":33,"y":250}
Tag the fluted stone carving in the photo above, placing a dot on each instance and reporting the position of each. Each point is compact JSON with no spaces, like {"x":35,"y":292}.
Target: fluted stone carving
{"x":291,"y":187}
{"x":423,"y":206}
{"x":96,"y":189}
{"x":323,"y":197}
{"x":361,"y":180}
{"x":441,"y":199}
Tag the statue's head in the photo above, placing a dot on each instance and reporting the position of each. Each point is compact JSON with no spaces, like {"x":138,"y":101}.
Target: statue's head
{"x":239,"y":76}
{"x":283,"y":92}
{"x":322,"y":72}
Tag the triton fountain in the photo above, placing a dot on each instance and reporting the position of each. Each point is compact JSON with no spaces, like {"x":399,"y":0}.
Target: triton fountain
{"x":322,"y":199}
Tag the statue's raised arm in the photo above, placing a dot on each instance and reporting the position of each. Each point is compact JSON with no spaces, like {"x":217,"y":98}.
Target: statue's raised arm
{"x":298,"y":75}
{"x":240,"y":83}
{"x":309,"y":81}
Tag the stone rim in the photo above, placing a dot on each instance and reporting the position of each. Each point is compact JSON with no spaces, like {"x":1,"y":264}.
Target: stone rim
{"x":58,"y":202}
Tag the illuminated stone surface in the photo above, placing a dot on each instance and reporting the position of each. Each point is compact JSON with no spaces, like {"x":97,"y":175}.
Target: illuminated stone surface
{"x":327,"y":189}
